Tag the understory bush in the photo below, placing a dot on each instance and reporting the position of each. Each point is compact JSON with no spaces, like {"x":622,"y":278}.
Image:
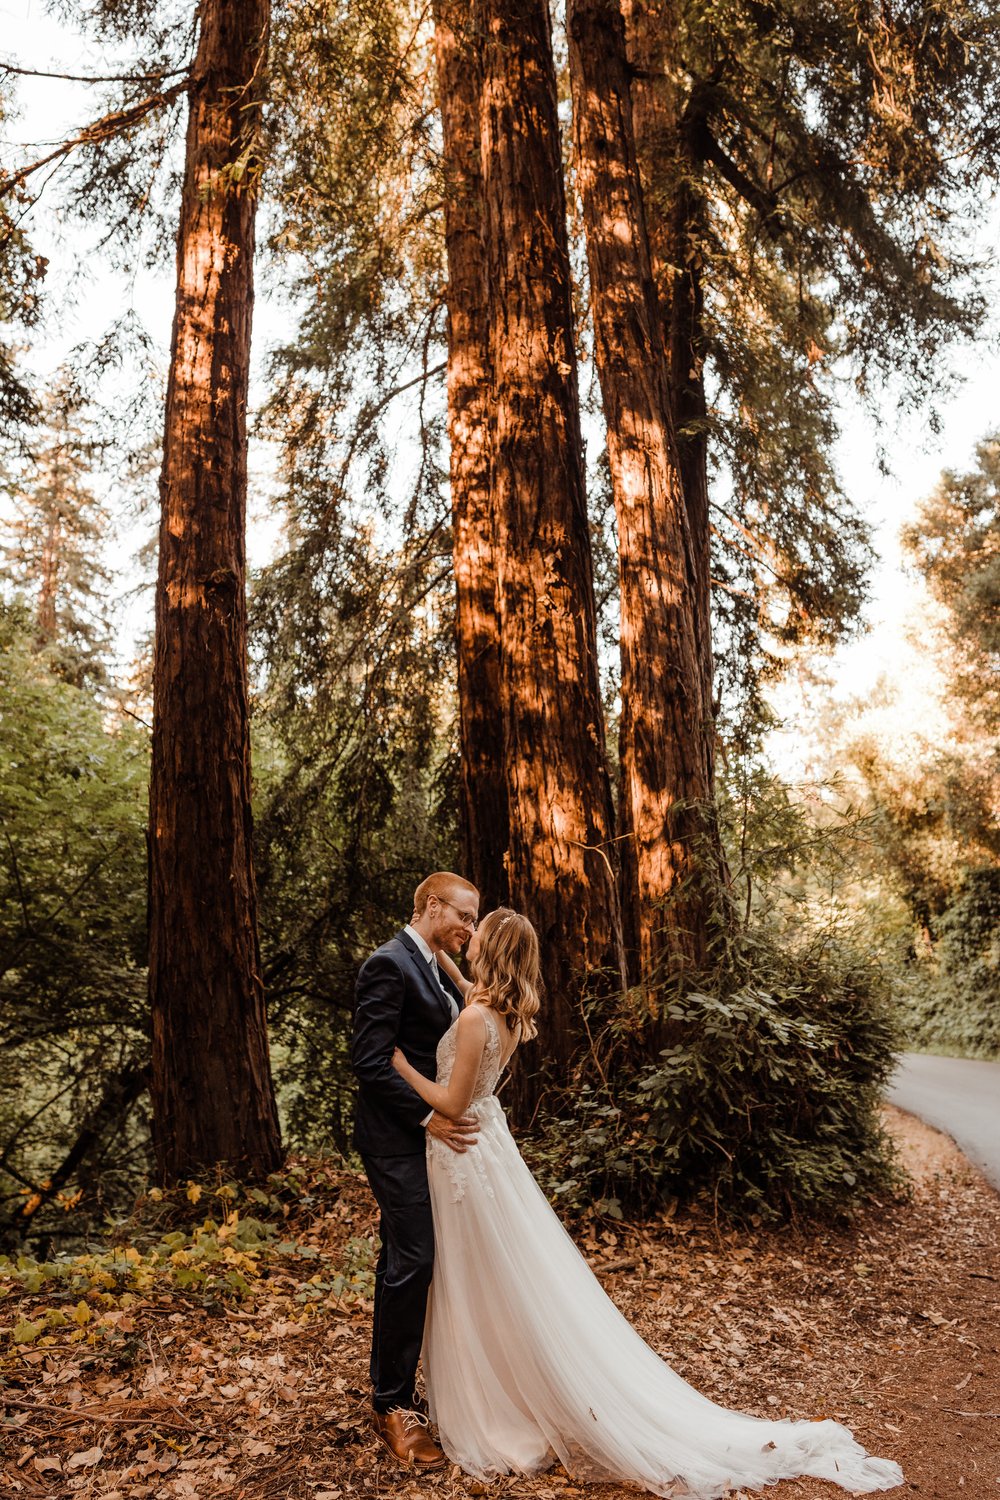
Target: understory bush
{"x":764,"y":1103}
{"x":73,"y":1011}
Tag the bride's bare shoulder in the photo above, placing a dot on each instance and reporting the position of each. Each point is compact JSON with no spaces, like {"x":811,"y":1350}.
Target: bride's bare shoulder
{"x":492,"y":1026}
{"x":472,"y":1020}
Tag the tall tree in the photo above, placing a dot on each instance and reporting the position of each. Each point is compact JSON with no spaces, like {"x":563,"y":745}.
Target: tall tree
{"x":51,"y":543}
{"x":560,"y":853}
{"x":675,"y":860}
{"x":955,"y":543}
{"x":807,"y":181}
{"x":676,"y":229}
{"x":483,"y":791}
{"x":213,"y":1099}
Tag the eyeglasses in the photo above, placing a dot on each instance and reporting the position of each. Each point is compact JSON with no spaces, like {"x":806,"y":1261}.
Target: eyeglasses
{"x":466,"y":918}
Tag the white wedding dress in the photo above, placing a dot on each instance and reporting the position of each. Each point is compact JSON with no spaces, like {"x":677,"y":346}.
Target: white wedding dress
{"x":526,"y":1359}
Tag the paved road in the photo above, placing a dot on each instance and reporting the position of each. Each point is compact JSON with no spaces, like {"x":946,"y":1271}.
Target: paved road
{"x":958,"y":1095}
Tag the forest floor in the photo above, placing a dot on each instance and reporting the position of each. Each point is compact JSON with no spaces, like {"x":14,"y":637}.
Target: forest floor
{"x":891,"y":1326}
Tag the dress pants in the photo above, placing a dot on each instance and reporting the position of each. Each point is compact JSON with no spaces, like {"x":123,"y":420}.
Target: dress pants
{"x":402,"y":1275}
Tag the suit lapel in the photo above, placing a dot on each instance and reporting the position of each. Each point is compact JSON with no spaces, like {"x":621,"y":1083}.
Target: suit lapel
{"x":424,"y":973}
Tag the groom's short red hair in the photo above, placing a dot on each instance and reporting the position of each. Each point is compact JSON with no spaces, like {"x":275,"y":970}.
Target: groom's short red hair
{"x":444,"y":885}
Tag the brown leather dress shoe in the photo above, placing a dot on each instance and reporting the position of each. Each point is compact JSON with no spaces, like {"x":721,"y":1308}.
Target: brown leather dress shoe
{"x":405,"y":1434}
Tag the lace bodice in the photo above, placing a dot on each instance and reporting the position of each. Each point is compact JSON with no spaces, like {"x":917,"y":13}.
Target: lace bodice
{"x":458,"y":1167}
{"x":490,"y":1066}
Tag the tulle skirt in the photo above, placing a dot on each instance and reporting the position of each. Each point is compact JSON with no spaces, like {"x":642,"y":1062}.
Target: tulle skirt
{"x":527,"y":1360}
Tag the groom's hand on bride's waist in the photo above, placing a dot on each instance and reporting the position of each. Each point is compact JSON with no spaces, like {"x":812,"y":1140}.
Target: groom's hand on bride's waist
{"x":458,"y":1134}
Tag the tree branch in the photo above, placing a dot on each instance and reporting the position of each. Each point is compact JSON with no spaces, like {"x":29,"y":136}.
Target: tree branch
{"x":5,"y":1165}
{"x":751,"y":192}
{"x":156,"y":77}
{"x":370,"y":414}
{"x":120,"y":1093}
{"x":99,"y":130}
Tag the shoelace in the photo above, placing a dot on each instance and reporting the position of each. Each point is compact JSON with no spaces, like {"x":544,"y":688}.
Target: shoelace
{"x":412,"y":1419}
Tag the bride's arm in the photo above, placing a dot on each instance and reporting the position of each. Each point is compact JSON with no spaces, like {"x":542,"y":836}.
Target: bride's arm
{"x":454,"y":1097}
{"x":454,"y":973}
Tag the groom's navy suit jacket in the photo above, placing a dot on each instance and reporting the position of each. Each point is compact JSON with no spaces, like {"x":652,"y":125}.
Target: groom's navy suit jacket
{"x":399,"y":1003}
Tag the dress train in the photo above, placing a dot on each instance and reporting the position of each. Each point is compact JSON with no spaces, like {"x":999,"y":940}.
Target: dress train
{"x":527,"y":1360}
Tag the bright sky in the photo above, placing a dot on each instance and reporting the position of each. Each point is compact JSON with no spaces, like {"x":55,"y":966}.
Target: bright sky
{"x":894,"y":659}
{"x":49,"y":108}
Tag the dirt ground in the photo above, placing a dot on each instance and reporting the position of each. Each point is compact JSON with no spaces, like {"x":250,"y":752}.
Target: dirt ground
{"x":891,"y":1326}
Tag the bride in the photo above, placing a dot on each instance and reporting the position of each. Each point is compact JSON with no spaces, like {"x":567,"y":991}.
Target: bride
{"x":526,"y":1360}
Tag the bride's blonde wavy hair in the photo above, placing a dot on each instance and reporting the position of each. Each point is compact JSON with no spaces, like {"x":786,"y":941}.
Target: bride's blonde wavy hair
{"x":507,"y":969}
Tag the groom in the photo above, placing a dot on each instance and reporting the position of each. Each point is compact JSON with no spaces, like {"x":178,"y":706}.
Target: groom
{"x":403,"y":999}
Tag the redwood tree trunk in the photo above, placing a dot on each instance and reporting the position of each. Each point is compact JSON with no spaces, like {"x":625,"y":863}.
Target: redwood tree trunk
{"x":665,"y":719}
{"x":559,"y":861}
{"x":213,"y":1100}
{"x":483,"y":789}
{"x":665,"y":139}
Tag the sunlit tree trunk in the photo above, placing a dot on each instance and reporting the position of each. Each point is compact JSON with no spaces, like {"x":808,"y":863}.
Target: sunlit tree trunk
{"x":559,"y":862}
{"x":483,"y":790}
{"x":213,"y":1099}
{"x":666,"y":793}
{"x":666,"y":132}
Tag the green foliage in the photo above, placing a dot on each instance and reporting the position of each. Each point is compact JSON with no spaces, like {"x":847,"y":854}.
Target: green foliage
{"x":791,"y":552}
{"x":353,"y":808}
{"x":770,"y":1096}
{"x":936,"y":818}
{"x":353,"y":217}
{"x":220,"y":1245}
{"x":931,"y":824}
{"x":21,"y":275}
{"x":215,"y":1260}
{"x":755,"y":1088}
{"x":227,"y":1263}
{"x":950,"y":990}
{"x":72,"y":928}
{"x":128,"y":182}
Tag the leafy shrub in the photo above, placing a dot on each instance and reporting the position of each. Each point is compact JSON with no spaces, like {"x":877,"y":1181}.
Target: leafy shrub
{"x":764,"y":1103}
{"x":216,"y":1259}
{"x":252,"y":1241}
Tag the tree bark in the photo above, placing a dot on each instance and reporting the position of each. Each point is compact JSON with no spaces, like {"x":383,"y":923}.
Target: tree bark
{"x":665,"y":719}
{"x":666,"y":131}
{"x":213,"y":1099}
{"x":483,"y":792}
{"x":561,"y":850}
